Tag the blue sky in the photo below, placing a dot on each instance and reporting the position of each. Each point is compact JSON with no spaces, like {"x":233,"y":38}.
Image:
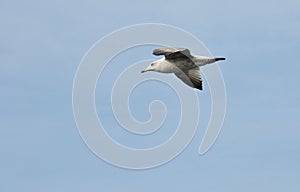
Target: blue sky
{"x":42,"y":44}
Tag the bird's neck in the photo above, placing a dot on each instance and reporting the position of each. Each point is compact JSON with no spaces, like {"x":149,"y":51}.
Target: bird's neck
{"x":165,"y":66}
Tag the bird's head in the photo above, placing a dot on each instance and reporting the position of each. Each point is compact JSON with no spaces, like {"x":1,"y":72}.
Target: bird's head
{"x":152,"y":67}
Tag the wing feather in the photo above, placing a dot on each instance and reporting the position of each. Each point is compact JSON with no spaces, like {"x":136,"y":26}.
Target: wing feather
{"x":191,"y":77}
{"x":173,"y":53}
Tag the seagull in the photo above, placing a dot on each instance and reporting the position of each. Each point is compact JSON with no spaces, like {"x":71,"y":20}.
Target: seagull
{"x":180,"y":62}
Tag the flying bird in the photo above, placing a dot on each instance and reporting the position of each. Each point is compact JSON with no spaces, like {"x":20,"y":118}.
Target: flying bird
{"x":180,"y":62}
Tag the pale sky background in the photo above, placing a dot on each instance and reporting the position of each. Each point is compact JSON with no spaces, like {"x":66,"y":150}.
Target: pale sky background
{"x":43,"y":42}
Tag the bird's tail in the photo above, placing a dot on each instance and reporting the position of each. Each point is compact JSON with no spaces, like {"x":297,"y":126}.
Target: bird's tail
{"x":219,"y":58}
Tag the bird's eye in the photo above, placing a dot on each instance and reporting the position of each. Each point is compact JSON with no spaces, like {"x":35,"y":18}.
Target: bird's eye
{"x":152,"y":64}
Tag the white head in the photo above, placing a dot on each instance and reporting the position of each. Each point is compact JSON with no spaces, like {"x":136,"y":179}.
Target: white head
{"x":154,"y":66}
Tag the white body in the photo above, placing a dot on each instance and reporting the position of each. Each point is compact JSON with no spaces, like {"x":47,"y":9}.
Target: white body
{"x":165,"y":66}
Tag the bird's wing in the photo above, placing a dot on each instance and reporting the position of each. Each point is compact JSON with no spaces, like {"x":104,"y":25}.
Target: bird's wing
{"x":191,"y":77}
{"x":173,"y":53}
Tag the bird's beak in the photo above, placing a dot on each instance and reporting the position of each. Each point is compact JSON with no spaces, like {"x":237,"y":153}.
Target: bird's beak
{"x":145,"y":70}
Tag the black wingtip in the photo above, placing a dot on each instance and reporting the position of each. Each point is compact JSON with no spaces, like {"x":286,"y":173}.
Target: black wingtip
{"x":199,"y":87}
{"x":220,"y":58}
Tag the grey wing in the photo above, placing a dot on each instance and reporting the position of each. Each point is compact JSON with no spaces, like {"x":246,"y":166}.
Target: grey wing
{"x":191,"y":77}
{"x":173,"y":53}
